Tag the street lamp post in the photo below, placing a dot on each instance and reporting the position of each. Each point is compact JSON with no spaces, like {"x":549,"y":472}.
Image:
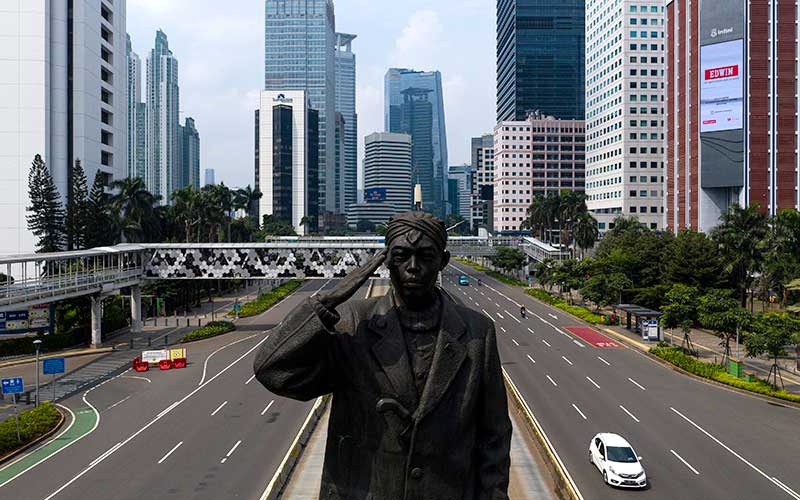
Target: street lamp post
{"x":37,"y":343}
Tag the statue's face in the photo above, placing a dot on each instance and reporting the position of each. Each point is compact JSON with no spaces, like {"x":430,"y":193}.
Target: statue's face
{"x":414,"y":263}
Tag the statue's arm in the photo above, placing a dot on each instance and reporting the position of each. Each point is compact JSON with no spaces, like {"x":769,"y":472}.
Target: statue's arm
{"x":494,"y":429}
{"x":295,"y":361}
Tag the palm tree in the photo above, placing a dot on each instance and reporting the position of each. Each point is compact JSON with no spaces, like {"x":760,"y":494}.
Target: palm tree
{"x":572,"y":204}
{"x":134,"y":203}
{"x":585,"y":231}
{"x":185,"y":209}
{"x":246,"y":199}
{"x":536,"y":216}
{"x":740,"y":236}
{"x":552,"y":212}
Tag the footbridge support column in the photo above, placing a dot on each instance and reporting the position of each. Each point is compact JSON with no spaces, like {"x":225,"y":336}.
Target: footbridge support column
{"x":97,"y":321}
{"x":136,"y":309}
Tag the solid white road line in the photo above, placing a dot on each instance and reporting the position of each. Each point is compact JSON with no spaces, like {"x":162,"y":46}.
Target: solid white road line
{"x":205,"y":363}
{"x":603,"y":360}
{"x":579,"y":411}
{"x":552,"y":381}
{"x":218,"y":408}
{"x":684,"y":462}
{"x":546,"y":343}
{"x":170,"y":452}
{"x":780,"y":485}
{"x":499,"y":315}
{"x":250,"y":379}
{"x":151,"y":422}
{"x":231,"y":452}
{"x":119,"y":402}
{"x":593,"y":382}
{"x":629,"y":413}
{"x":487,"y":314}
{"x":504,"y":330}
{"x":552,"y":316}
{"x":532,"y":360}
{"x":265,"y":410}
{"x":637,"y":384}
{"x":565,"y":359}
{"x":784,"y":487}
{"x":515,"y":342}
{"x":531,"y":331}
{"x":167,"y":409}
{"x":138,"y":378}
{"x":320,"y":288}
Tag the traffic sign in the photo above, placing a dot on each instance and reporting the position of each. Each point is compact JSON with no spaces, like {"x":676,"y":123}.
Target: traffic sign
{"x":12,"y":385}
{"x":51,"y":366}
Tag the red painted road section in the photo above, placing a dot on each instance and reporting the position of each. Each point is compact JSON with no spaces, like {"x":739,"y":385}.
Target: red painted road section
{"x":593,"y":337}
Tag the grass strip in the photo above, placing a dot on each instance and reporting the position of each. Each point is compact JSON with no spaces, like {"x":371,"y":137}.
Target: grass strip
{"x":268,"y":299}
{"x":33,"y":424}
{"x":578,"y":311}
{"x":210,"y":330}
{"x":494,"y":274}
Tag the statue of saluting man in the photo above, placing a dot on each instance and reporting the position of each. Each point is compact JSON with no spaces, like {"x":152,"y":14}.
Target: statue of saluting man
{"x":419,"y":406}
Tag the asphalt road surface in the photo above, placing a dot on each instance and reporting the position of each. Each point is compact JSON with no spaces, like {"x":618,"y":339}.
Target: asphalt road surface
{"x":698,"y":441}
{"x":209,"y":431}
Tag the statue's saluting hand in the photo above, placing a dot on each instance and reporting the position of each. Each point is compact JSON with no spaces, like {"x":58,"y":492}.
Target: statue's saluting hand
{"x":352,"y":282}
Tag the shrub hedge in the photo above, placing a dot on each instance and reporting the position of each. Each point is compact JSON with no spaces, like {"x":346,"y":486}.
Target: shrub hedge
{"x":268,"y":299}
{"x":581,"y":312}
{"x":210,"y":330}
{"x":24,"y":345}
{"x":681,"y":359}
{"x":33,"y":424}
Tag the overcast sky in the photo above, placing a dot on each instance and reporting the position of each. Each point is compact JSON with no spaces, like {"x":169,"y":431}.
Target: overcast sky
{"x":219,"y":47}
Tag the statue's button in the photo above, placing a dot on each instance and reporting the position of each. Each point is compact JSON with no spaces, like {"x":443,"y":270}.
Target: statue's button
{"x":416,"y":473}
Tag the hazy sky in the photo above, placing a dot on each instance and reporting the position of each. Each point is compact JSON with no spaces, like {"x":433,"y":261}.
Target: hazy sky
{"x":219,"y":47}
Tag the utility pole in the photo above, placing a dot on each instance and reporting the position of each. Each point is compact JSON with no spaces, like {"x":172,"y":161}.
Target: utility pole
{"x":37,"y":342}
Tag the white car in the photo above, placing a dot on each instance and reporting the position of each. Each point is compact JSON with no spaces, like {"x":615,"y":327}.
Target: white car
{"x":616,"y":461}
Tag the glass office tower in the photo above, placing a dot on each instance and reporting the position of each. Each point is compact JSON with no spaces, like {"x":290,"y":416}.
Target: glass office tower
{"x":540,"y":58}
{"x":414,"y":105}
{"x":299,"y":46}
{"x":346,"y":105}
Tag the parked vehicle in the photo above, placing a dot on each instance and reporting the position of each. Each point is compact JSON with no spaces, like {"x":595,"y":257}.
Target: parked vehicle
{"x":617,"y":462}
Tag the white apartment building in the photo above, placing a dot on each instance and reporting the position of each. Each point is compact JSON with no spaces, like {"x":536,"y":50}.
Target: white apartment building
{"x":387,"y":168}
{"x":481,"y":198}
{"x":625,"y":111}
{"x":63,"y":79}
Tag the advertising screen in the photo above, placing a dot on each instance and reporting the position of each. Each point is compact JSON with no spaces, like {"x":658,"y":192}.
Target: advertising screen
{"x":722,"y":86}
{"x":375,"y":195}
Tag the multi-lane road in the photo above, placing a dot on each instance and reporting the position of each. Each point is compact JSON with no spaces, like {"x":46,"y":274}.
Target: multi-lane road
{"x":207,"y":431}
{"x":698,"y":441}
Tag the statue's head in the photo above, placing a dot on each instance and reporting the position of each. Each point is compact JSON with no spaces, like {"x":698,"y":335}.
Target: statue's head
{"x":416,"y":245}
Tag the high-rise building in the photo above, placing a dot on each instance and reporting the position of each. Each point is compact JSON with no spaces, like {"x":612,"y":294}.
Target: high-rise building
{"x":257,"y":158}
{"x":387,"y":169}
{"x":135,"y":127}
{"x":346,"y":105}
{"x":536,"y":157}
{"x":540,"y":58}
{"x":62,"y":95}
{"x":732,"y":102}
{"x":339,"y":162}
{"x":625,"y":111}
{"x":482,"y":196}
{"x":209,"y":177}
{"x":299,"y":54}
{"x":289,"y":156}
{"x":460,"y":185}
{"x":162,"y":168}
{"x":190,"y":157}
{"x":414,"y":105}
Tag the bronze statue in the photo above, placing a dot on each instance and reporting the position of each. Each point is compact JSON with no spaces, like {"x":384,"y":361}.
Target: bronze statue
{"x":419,"y":408}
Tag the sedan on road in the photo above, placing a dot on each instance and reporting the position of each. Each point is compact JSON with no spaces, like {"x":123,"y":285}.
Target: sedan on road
{"x":616,"y":461}
{"x":463,"y":280}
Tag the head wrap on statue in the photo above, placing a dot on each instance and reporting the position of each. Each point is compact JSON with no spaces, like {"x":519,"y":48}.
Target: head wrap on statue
{"x":403,"y":224}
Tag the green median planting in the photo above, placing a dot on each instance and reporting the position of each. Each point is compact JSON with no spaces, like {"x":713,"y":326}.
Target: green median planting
{"x":578,"y":311}
{"x":268,"y":299}
{"x":210,"y":330}
{"x":712,"y":371}
{"x":494,"y":274}
{"x":33,"y":424}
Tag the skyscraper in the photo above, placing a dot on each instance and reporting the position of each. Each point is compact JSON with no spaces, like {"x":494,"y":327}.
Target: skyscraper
{"x":461,"y":176}
{"x":299,"y":47}
{"x":190,"y":155}
{"x":414,"y":105}
{"x":625,"y":111}
{"x":482,"y":199}
{"x":387,"y":169}
{"x":540,"y":58}
{"x":135,"y":127}
{"x":62,"y":92}
{"x":162,"y":168}
{"x":346,"y":105}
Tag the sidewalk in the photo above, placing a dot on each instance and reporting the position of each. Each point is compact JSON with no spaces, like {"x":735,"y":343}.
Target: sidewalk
{"x":83,"y":371}
{"x":709,"y":349}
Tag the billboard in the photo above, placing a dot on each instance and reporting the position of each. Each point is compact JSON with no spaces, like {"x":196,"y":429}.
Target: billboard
{"x":722,"y":86}
{"x":375,"y":195}
{"x":35,"y":318}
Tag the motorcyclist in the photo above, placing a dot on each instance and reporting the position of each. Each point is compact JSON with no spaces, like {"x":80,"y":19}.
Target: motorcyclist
{"x":479,"y":282}
{"x":522,"y":311}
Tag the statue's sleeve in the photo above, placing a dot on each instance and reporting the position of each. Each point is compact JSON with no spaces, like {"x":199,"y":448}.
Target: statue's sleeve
{"x":494,"y":440}
{"x":295,"y":360}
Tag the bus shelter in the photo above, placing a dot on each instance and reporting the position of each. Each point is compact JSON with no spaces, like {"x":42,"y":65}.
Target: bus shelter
{"x":642,"y":320}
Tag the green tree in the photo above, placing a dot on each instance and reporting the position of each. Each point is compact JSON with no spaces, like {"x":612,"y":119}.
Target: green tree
{"x":770,"y":334}
{"x":740,"y":236}
{"x":101,"y":228}
{"x":537,"y":217}
{"x":586,"y":232}
{"x":605,"y":289}
{"x":247,"y":199}
{"x":569,"y":276}
{"x":135,"y":205}
{"x":680,"y":311}
{"x":543,"y":272}
{"x":77,"y":215}
{"x":692,"y":259}
{"x":272,"y":226}
{"x":793,"y":287}
{"x":719,"y":311}
{"x":45,"y":212}
{"x":509,"y":259}
{"x":782,"y":256}
{"x":186,"y":210}
{"x":634,"y":251}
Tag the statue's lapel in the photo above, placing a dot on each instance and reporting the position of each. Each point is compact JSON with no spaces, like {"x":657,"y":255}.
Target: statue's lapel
{"x":447,"y":359}
{"x":391,"y":353}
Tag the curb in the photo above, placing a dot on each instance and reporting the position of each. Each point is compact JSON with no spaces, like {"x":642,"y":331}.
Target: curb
{"x":73,"y":354}
{"x":13,"y":453}
{"x":565,"y":486}
{"x":284,"y":473}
